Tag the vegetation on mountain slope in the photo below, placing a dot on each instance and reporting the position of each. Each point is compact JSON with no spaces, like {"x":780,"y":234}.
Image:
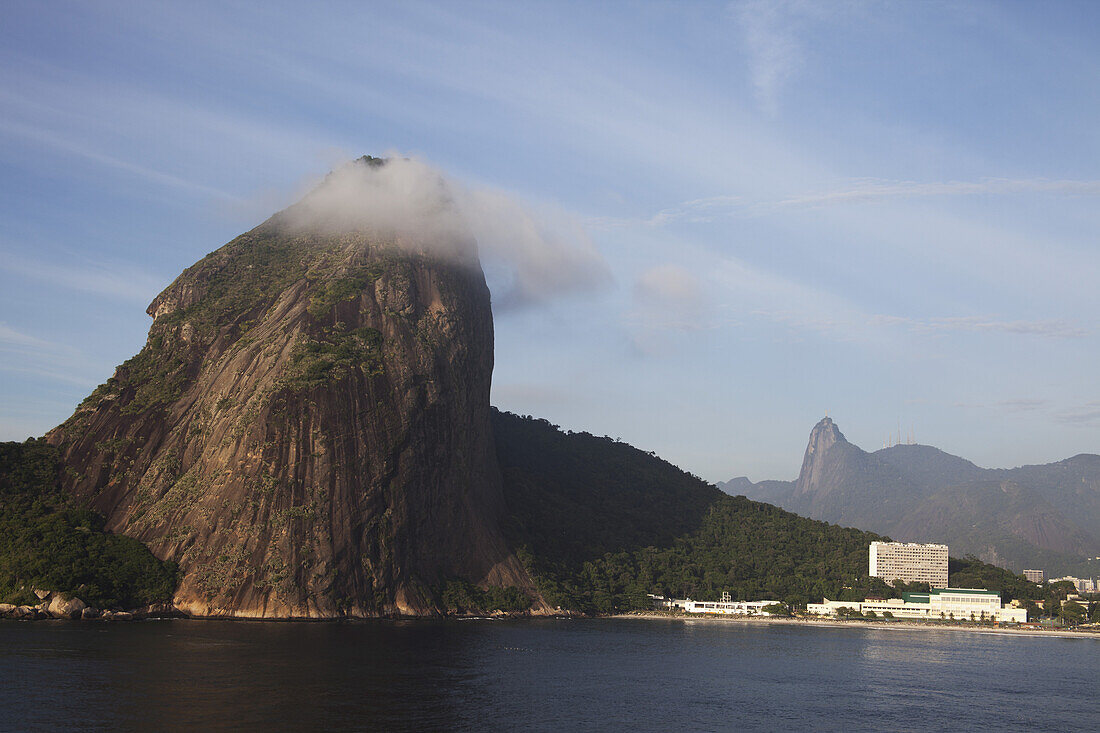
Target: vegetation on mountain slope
{"x":600,"y":524}
{"x":48,"y":542}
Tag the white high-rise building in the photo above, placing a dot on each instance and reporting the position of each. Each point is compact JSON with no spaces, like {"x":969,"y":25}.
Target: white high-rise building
{"x":910,"y":562}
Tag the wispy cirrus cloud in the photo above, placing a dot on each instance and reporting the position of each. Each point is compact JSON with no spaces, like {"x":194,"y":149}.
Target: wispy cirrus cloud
{"x":874,"y":189}
{"x":669,"y":286}
{"x":803,"y":307}
{"x":773,"y":50}
{"x":25,"y":354}
{"x":1087,"y":414}
{"x":1053,"y":328}
{"x":71,"y":146}
{"x":850,"y":191}
{"x":1023,"y":404}
{"x":12,"y":337}
{"x":698,"y":210}
{"x":113,"y":280}
{"x":670,"y":297}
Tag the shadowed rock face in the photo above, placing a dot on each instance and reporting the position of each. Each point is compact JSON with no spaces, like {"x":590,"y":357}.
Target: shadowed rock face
{"x":307,"y":430}
{"x":843,"y":484}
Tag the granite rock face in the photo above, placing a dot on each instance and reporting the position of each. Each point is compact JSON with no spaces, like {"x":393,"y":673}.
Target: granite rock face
{"x":62,"y":606}
{"x":841,"y":483}
{"x":306,"y":431}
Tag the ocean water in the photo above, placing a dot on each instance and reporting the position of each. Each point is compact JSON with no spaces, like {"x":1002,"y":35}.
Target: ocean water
{"x":594,"y":674}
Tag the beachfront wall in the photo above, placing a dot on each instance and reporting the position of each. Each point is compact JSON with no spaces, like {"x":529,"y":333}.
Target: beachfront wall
{"x":734,"y":608}
{"x":730,"y":608}
{"x":940,"y":603}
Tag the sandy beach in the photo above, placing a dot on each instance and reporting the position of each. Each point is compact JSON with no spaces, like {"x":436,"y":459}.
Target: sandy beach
{"x":1091,"y":633}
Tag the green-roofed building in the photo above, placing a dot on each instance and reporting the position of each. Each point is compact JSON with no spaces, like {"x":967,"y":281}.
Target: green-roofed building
{"x":937,"y":604}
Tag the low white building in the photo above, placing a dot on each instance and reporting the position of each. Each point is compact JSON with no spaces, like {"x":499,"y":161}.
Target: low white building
{"x":724,"y":606}
{"x":940,"y":604}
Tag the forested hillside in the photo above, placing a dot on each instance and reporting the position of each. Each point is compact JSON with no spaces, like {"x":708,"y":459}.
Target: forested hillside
{"x":47,"y":541}
{"x":601,"y":524}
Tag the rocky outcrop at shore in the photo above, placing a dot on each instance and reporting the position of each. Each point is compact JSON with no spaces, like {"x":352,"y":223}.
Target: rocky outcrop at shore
{"x":62,"y":606}
{"x":65,"y":606}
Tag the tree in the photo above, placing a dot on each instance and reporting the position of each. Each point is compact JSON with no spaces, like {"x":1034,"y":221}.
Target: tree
{"x":1073,"y":612}
{"x":870,"y":614}
{"x":888,"y":616}
{"x":914,"y":587}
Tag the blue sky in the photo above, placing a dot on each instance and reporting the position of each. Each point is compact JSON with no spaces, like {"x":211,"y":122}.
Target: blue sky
{"x":885,"y":211}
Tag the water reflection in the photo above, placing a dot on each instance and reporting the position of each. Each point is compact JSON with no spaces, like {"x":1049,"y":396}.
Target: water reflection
{"x":576,"y":675}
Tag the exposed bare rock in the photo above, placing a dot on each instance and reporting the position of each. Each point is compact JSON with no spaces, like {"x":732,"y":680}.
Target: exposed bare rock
{"x":117,"y":616}
{"x":306,"y":431}
{"x":841,"y":483}
{"x":62,"y":606}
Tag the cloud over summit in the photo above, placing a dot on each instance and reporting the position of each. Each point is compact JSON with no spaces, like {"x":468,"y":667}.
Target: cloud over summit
{"x":530,"y":255}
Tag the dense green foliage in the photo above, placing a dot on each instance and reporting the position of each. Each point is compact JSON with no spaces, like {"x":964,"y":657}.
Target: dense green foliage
{"x":755,"y":551}
{"x":575,"y":497}
{"x":459,"y":596}
{"x":47,"y":542}
{"x":242,"y":279}
{"x":601,"y":525}
{"x":154,"y":377}
{"x":1074,"y":612}
{"x":332,"y":355}
{"x":236,"y":286}
{"x":970,"y":572}
{"x":342,"y":290}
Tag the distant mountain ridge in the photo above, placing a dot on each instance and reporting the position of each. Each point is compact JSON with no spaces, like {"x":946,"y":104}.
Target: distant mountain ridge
{"x":1045,"y":516}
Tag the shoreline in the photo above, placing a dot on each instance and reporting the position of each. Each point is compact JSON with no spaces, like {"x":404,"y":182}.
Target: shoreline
{"x":861,"y":623}
{"x":818,"y":622}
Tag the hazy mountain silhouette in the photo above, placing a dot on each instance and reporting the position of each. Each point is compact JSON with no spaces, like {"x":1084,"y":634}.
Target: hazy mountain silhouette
{"x":1036,"y":516}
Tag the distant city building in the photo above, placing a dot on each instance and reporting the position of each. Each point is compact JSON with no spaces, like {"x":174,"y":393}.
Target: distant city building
{"x":1035,"y":576}
{"x":910,"y":562}
{"x":725,"y":606}
{"x":1083,"y":585}
{"x":960,"y":604}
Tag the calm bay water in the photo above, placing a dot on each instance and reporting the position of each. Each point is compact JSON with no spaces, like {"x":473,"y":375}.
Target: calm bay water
{"x":538,"y":675}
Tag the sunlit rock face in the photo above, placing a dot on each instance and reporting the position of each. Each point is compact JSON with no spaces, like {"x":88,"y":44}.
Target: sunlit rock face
{"x":306,"y":431}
